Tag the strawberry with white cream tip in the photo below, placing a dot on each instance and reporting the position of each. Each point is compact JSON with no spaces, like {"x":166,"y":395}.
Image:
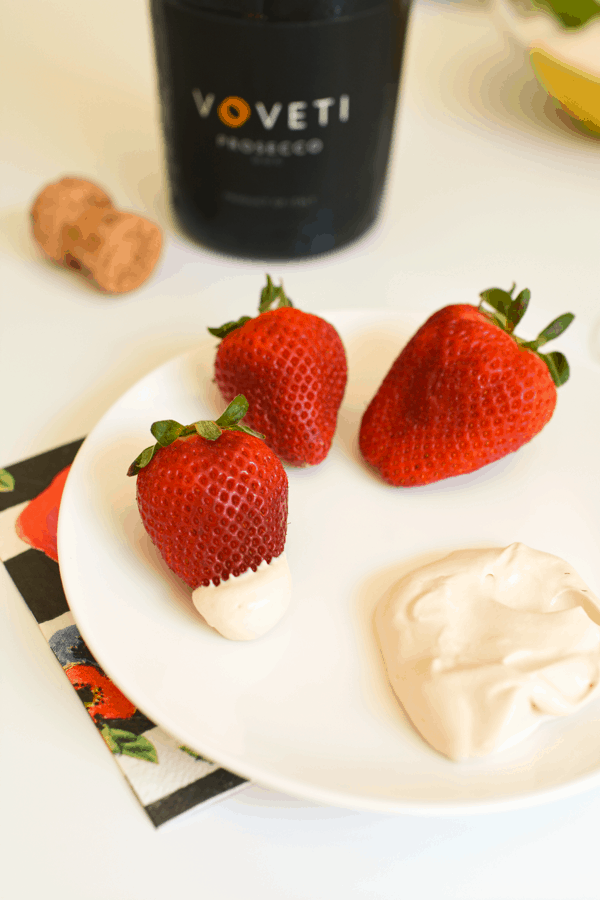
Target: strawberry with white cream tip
{"x":214,"y":498}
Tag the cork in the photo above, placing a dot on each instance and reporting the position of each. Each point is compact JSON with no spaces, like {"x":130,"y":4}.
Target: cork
{"x":76,"y":225}
{"x":62,"y":204}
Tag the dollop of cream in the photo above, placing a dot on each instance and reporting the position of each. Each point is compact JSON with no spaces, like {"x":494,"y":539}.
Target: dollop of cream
{"x":246,"y":606}
{"x":482,"y":646}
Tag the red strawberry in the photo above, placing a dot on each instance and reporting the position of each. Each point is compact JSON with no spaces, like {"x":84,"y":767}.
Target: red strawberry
{"x":464,"y":392}
{"x":213,"y":497}
{"x":292,"y":367}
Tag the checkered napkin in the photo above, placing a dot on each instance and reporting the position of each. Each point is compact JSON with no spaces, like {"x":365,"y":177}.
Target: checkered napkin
{"x":167,"y":777}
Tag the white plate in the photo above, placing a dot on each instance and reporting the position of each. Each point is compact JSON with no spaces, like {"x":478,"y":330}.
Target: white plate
{"x":307,"y":709}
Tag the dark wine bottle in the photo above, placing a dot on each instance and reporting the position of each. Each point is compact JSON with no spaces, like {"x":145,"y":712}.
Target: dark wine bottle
{"x":278,"y":117}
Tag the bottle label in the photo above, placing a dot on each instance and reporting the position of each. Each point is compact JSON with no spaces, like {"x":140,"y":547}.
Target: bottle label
{"x":290,"y":118}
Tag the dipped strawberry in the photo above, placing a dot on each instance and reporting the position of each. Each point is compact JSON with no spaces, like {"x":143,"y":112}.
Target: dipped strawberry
{"x":291,"y":365}
{"x":464,"y":392}
{"x":213,"y":498}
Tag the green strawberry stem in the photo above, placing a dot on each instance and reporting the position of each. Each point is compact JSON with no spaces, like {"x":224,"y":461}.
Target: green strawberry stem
{"x":507,"y":311}
{"x":269,"y":294}
{"x":168,"y":430}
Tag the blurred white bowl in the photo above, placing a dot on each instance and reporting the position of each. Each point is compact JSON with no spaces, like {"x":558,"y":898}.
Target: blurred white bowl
{"x":566,"y":61}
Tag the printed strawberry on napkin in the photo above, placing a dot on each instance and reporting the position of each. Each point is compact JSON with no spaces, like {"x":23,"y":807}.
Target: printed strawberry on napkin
{"x":167,"y":777}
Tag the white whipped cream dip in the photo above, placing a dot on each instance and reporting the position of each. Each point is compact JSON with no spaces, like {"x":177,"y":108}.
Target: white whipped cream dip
{"x":484,"y":645}
{"x":246,"y":606}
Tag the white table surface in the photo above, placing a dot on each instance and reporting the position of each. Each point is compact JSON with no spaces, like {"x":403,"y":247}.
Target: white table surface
{"x":487,"y":187}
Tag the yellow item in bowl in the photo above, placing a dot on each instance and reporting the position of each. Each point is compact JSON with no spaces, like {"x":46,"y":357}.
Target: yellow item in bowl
{"x":578,"y":92}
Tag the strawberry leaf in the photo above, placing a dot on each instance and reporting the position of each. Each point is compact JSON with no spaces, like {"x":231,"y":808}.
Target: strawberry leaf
{"x":228,"y":327}
{"x":270,"y":294}
{"x":507,"y":312}
{"x":208,"y":430}
{"x":551,"y":331}
{"x":557,"y":366}
{"x":233,"y":415}
{"x":267,"y":295}
{"x":166,"y":431}
{"x":7,"y":481}
{"x":142,"y":460}
{"x":228,"y":419}
{"x":236,"y":411}
{"x":518,"y":308}
{"x":248,"y":430}
{"x":498,"y":299}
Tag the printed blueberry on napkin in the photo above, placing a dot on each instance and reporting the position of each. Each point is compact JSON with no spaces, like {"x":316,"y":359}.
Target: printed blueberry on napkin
{"x":167,"y":777}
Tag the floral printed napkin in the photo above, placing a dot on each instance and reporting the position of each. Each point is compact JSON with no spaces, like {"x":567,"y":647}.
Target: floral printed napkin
{"x":167,"y":777}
